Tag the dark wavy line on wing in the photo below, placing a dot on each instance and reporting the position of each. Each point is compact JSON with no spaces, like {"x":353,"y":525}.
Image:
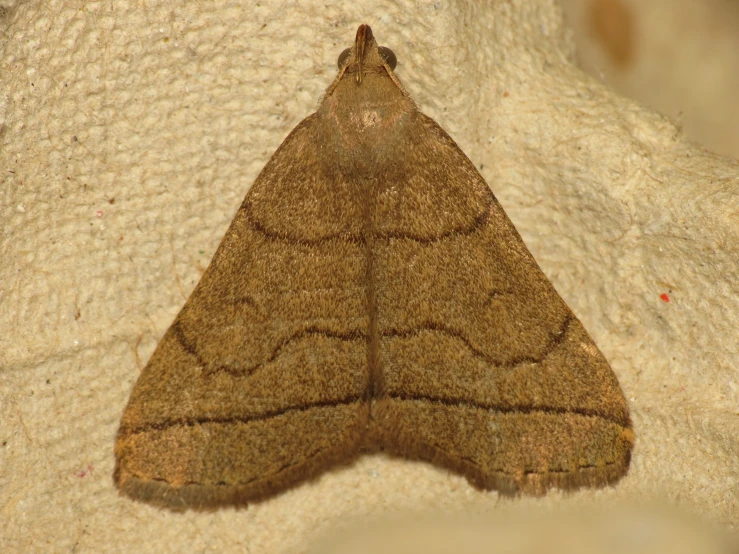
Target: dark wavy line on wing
{"x":449,"y":402}
{"x":244,"y":372}
{"x":296,"y":240}
{"x":622,"y":420}
{"x":555,"y":341}
{"x":193,"y":421}
{"x":478,"y":223}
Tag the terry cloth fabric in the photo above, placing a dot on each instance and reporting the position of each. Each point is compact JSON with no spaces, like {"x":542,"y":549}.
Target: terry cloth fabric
{"x":130,"y":135}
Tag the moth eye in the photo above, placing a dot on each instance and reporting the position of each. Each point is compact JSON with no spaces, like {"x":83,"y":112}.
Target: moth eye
{"x":343,"y":56}
{"x":389,"y":56}
{"x":386,"y":54}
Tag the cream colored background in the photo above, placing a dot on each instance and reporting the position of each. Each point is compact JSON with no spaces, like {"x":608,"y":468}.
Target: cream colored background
{"x":680,"y":57}
{"x":130,"y":134}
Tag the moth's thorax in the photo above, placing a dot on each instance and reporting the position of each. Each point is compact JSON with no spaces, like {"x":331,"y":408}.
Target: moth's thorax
{"x":365,"y":122}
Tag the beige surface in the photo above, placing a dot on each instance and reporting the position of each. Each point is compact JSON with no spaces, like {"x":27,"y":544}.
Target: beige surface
{"x":625,"y":529}
{"x":679,"y":57}
{"x":129,"y":137}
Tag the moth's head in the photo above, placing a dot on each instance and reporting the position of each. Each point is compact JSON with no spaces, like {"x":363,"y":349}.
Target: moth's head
{"x":366,"y":56}
{"x":366,"y":71}
{"x":366,"y":103}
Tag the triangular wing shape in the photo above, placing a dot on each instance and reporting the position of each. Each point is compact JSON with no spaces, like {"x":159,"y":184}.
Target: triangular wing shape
{"x":261,"y":381}
{"x":370,"y":292}
{"x":484,"y":367}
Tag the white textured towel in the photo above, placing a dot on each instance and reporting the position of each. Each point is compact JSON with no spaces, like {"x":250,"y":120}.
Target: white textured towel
{"x":130,"y":132}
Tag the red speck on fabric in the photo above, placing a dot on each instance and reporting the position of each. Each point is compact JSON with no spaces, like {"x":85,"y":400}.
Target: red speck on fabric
{"x":85,"y":472}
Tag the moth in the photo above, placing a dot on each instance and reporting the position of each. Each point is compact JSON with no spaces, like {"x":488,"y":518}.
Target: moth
{"x":370,"y":295}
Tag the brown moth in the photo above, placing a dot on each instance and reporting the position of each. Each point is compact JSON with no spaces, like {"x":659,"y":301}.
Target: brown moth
{"x":370,"y":295}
